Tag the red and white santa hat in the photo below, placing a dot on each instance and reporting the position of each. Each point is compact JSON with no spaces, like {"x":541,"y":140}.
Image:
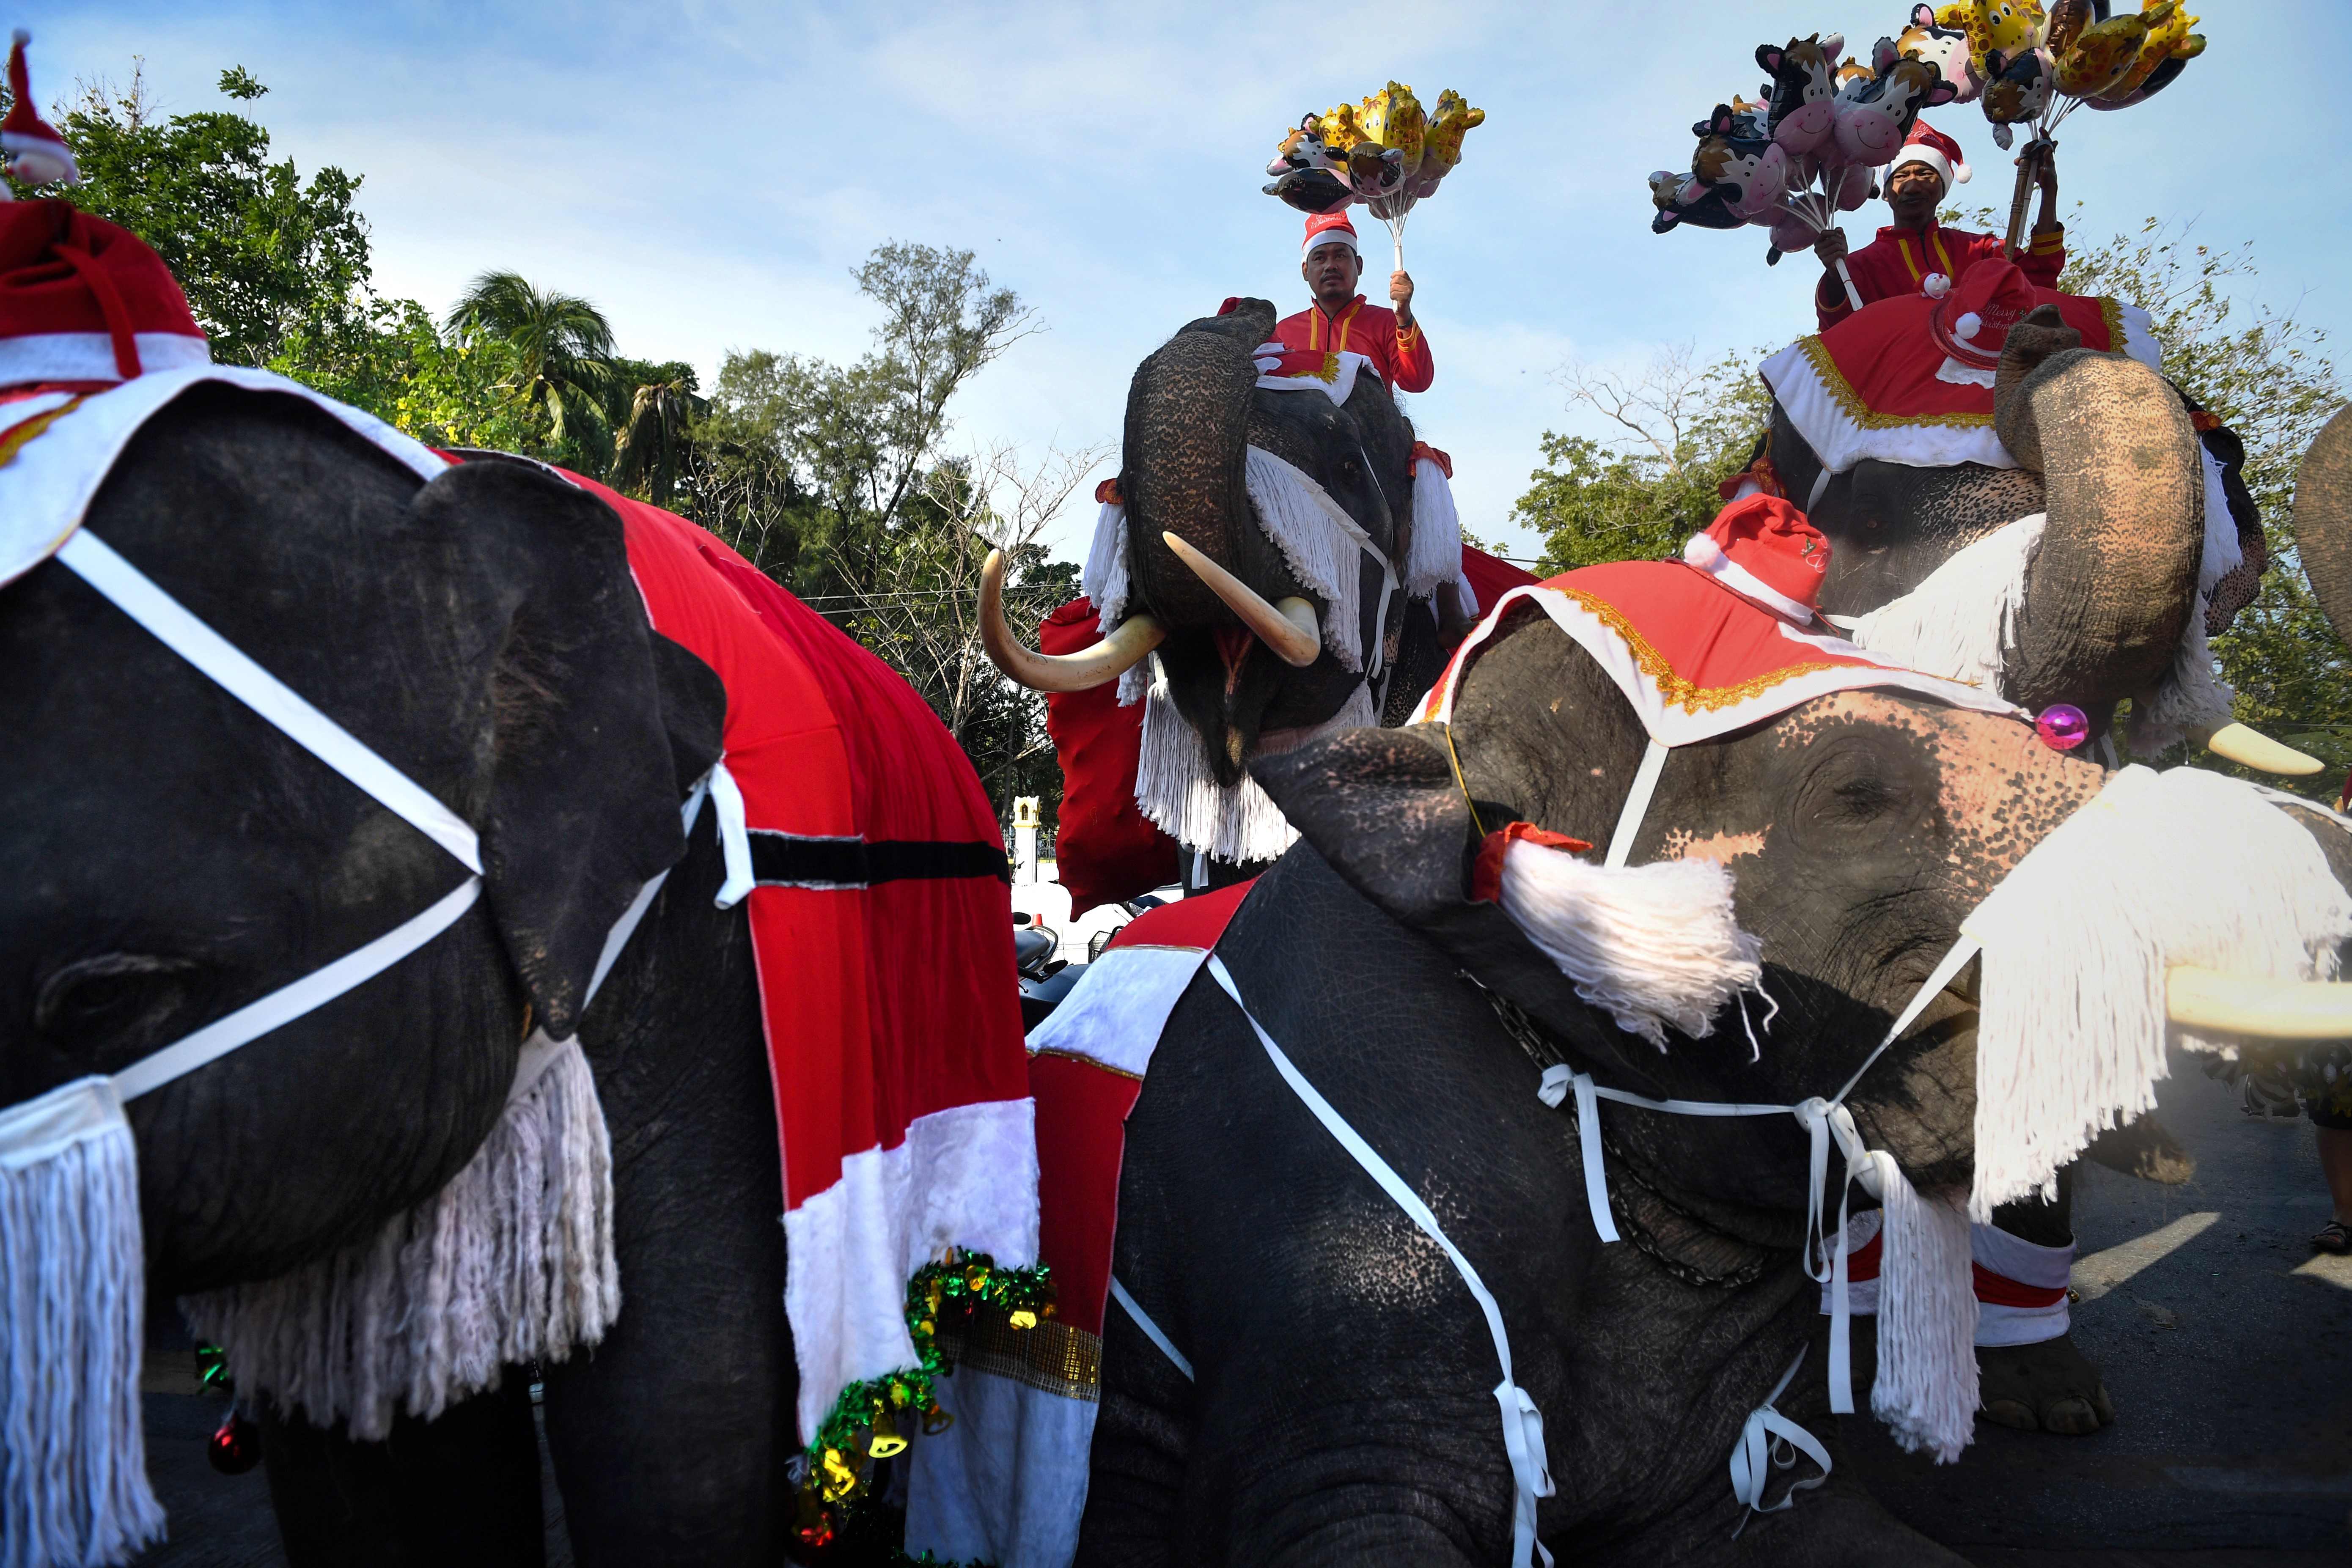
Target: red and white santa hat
{"x":1927,"y":146}
{"x":1972,"y":322}
{"x":82,"y":301}
{"x":37,"y":154}
{"x":1762,"y":549}
{"x":1330,"y":228}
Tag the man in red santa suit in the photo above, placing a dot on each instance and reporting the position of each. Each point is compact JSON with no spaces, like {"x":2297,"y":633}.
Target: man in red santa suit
{"x":1915,"y":245}
{"x":1340,"y":321}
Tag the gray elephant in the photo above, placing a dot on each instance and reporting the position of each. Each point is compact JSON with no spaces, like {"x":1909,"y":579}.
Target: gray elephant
{"x":173,"y":856}
{"x":1337,"y":1402}
{"x":1279,"y":563}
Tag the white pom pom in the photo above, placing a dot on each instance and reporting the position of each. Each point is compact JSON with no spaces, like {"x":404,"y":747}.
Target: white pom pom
{"x":42,"y":166}
{"x":1703,"y":551}
{"x":1966,"y":328}
{"x":1936,"y":286}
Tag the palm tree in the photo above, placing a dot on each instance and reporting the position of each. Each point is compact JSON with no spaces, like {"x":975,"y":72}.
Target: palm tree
{"x":563,"y":347}
{"x":656,"y":442}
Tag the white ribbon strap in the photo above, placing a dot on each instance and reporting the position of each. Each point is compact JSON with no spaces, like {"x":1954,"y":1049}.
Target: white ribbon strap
{"x":1522,"y":1422}
{"x":1637,"y":803}
{"x":289,"y":1002}
{"x":1752,"y":1461}
{"x":626,"y":926}
{"x":734,"y":838}
{"x":1151,"y":1330}
{"x":137,"y":596}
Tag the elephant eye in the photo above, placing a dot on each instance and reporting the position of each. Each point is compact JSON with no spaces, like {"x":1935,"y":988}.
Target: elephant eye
{"x":115,"y":1000}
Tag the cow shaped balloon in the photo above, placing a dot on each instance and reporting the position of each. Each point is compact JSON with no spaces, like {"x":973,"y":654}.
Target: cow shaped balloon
{"x":1804,"y":85}
{"x":1946,"y":48}
{"x":1732,"y":156}
{"x":1874,"y":116}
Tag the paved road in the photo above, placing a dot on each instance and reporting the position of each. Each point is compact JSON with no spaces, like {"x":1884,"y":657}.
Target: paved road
{"x":2227,"y":1349}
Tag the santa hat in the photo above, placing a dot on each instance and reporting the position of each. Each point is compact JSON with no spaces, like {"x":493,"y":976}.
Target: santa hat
{"x":84,"y":300}
{"x":1927,"y":146}
{"x":37,"y":154}
{"x":1330,"y":228}
{"x":1763,"y":550}
{"x":1972,"y":321}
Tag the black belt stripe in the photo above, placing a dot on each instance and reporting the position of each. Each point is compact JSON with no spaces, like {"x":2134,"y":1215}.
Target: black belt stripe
{"x":797,"y":860}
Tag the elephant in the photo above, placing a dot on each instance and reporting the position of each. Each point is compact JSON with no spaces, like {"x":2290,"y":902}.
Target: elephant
{"x":172,"y":856}
{"x":2128,"y":543}
{"x":1260,"y":636}
{"x":1340,"y":1403}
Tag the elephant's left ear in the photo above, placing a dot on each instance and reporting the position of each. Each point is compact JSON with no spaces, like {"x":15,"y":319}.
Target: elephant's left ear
{"x":583,"y":803}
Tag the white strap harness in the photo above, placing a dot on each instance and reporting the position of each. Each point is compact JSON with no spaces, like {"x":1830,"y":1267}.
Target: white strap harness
{"x":138,"y":596}
{"x":1522,"y":1422}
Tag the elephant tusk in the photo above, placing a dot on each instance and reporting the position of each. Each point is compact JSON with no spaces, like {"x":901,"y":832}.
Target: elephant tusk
{"x":2255,"y":750}
{"x":2211,"y":1001}
{"x":1289,"y":627}
{"x":1130,"y":643}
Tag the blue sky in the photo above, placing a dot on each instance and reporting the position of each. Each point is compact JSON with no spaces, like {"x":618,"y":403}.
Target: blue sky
{"x":708,"y":173}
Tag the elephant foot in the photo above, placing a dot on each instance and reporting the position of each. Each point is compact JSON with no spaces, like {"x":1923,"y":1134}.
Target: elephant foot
{"x":2049,"y":1386}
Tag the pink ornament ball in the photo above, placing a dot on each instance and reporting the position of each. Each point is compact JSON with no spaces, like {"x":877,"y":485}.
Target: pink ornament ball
{"x":2063,"y":726}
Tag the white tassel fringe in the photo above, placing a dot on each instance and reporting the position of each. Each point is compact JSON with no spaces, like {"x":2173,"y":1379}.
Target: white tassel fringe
{"x":2179,"y":868}
{"x":512,"y":1262}
{"x":1961,"y":622}
{"x":1926,"y":1390}
{"x":1435,"y":558}
{"x":73,"y":1461}
{"x":1104,"y":579}
{"x":1654,"y":945}
{"x":1173,"y":789}
{"x":1324,"y":546}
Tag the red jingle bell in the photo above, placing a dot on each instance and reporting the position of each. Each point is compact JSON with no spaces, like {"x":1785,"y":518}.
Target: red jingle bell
{"x":235,"y":1447}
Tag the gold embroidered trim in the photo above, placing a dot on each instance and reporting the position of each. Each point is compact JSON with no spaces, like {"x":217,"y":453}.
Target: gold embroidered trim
{"x":1687,"y":695}
{"x":12,"y":440}
{"x":1052,"y":1356}
{"x":1091,"y":1061}
{"x":1841,"y":392}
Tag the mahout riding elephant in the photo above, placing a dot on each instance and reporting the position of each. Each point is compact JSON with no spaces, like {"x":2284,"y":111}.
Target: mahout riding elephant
{"x":1309,"y":583}
{"x":1340,"y":1402}
{"x":172,"y":856}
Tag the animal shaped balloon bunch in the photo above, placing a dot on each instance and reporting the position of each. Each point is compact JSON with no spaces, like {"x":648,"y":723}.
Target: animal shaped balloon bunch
{"x":1807,"y":150}
{"x":1387,"y":152}
{"x":2032,"y":64}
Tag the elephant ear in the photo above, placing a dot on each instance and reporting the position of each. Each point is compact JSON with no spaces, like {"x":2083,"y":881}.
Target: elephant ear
{"x":583,"y":780}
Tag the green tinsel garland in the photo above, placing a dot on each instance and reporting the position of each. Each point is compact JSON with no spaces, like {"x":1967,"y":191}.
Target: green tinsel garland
{"x":863,"y":1423}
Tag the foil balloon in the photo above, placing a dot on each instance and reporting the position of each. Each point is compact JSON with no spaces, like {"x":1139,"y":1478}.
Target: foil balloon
{"x":1340,"y":132}
{"x":2163,"y":38}
{"x":2103,"y":52}
{"x":1753,"y":169}
{"x":2001,"y":29}
{"x":1441,"y":144}
{"x":2067,"y":20}
{"x":1946,"y":48}
{"x":1803,"y":90}
{"x":1374,"y":171}
{"x":1312,"y":190}
{"x":1395,"y":119}
{"x":1874,"y":117}
{"x":1701,"y":207}
{"x":2164,"y":76}
{"x":2022,"y":90}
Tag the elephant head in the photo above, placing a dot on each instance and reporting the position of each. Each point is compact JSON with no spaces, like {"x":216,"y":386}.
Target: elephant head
{"x":175,"y":856}
{"x":2090,"y":573}
{"x":1263,"y":575}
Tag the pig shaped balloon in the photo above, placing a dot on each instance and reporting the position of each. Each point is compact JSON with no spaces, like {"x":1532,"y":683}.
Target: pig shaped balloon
{"x":1753,"y":169}
{"x":1875,"y":118}
{"x":1803,"y":90}
{"x":1946,"y":48}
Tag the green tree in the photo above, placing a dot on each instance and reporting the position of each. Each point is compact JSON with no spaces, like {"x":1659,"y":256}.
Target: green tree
{"x":263,"y":256}
{"x":655,"y":408}
{"x":1637,"y":497}
{"x":559,"y":348}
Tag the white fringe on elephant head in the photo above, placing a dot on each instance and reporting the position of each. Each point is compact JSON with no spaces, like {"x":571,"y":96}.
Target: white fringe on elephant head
{"x":1325,"y":549}
{"x":1961,"y":622}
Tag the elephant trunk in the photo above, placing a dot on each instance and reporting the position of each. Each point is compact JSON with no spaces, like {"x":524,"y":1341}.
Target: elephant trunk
{"x":1188,"y":415}
{"x":2114,"y":580}
{"x":2323,"y":521}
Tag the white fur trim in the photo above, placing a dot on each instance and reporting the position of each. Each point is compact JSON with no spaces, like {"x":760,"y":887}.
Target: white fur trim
{"x":1655,"y":946}
{"x":1919,"y":152}
{"x":1104,"y":578}
{"x":1007,"y":1483}
{"x":2184,"y":867}
{"x":2223,"y":554}
{"x":1435,"y":556}
{"x":1958,"y":375}
{"x":73,"y":1462}
{"x":2139,"y":339}
{"x":1962,"y":620}
{"x":1113,"y":1016}
{"x":89,"y":356}
{"x":966,"y":1176}
{"x":1840,"y":443}
{"x":1701,"y":552}
{"x":1337,"y":389}
{"x":47,"y":487}
{"x":1323,"y":236}
{"x":512,"y":1262}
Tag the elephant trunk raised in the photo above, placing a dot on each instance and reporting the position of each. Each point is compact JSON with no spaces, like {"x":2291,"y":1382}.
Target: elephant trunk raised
{"x":2114,"y":578}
